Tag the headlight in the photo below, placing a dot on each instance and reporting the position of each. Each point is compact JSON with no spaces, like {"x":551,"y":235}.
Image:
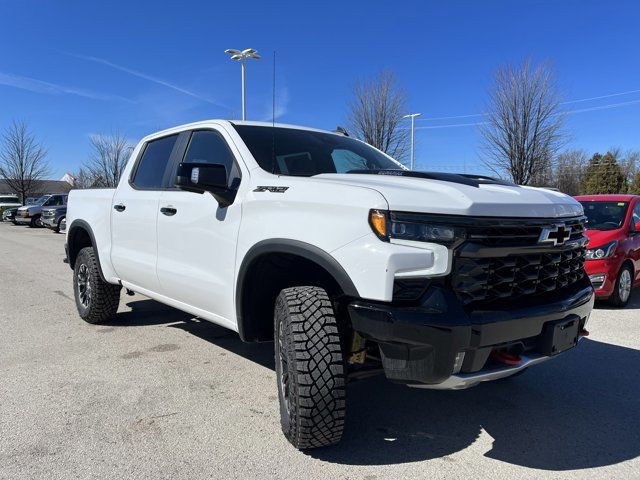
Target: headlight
{"x":386,"y":228}
{"x":605,"y":251}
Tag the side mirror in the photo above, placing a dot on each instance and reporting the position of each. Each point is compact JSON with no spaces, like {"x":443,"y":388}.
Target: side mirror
{"x":636,"y":227}
{"x":206,"y":177}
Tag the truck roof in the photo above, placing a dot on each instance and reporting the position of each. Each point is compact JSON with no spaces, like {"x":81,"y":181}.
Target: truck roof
{"x":606,"y":198}
{"x":202,"y":123}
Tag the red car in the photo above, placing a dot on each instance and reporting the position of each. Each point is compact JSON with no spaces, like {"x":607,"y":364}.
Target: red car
{"x":613,"y":251}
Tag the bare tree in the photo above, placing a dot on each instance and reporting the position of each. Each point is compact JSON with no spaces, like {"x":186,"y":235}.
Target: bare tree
{"x":569,"y":169}
{"x":109,"y":154}
{"x":375,"y":114}
{"x":523,"y":130}
{"x":22,"y":159}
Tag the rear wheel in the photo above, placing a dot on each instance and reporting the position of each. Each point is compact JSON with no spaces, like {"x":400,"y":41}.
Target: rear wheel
{"x":96,"y":300}
{"x":622,"y":290}
{"x":309,"y":367}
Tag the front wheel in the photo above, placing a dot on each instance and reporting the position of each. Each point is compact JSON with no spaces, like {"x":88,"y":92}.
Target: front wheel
{"x":57,"y":227}
{"x":622,"y":290}
{"x":96,"y":300}
{"x":36,"y":222}
{"x":310,"y":368}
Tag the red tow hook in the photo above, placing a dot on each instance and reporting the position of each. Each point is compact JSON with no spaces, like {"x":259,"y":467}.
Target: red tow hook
{"x":506,"y":357}
{"x":583,"y":333}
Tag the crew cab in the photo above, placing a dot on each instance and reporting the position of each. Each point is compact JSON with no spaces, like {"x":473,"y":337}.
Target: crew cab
{"x":613,"y":255}
{"x":31,"y":214}
{"x":351,"y":264}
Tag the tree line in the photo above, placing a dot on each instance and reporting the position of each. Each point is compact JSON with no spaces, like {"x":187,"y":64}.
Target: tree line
{"x":24,"y":163}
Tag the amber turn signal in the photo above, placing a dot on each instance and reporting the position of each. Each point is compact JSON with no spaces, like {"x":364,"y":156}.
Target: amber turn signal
{"x":378,"y":222}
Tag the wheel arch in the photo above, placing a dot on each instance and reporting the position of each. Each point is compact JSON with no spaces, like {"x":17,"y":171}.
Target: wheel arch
{"x":80,"y":236}
{"x":285,"y":263}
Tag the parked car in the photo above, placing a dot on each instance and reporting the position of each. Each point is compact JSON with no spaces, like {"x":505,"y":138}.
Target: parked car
{"x":8,"y":201}
{"x":53,"y":216}
{"x":31,"y":214}
{"x":9,"y":214}
{"x":613,"y":255}
{"x":349,"y":262}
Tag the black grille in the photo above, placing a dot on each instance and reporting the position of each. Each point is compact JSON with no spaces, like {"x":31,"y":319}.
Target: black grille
{"x":510,"y":232}
{"x":477,"y":279}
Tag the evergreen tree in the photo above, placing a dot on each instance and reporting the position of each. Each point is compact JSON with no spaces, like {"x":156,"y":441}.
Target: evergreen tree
{"x":603,"y":175}
{"x":635,"y":184}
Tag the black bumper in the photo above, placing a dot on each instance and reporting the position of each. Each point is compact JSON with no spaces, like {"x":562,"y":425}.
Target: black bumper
{"x":419,"y":344}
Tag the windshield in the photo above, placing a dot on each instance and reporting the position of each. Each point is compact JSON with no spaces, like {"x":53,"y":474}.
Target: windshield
{"x":39,"y":201}
{"x":9,"y":200}
{"x":304,"y":153}
{"x":605,"y":215}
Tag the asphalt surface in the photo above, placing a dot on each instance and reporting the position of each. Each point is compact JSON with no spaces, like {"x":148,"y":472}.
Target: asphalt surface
{"x":159,"y":394}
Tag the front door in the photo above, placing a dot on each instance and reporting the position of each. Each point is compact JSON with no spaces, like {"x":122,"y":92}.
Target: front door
{"x":134,"y":216}
{"x":197,"y":238}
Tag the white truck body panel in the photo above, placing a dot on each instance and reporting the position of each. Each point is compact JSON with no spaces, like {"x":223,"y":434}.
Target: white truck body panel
{"x":191,"y":260}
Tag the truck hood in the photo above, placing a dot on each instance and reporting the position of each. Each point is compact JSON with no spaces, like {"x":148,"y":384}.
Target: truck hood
{"x":424,"y":195}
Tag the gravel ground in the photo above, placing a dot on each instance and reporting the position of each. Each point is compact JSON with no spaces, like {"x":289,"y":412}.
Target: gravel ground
{"x":159,"y":394}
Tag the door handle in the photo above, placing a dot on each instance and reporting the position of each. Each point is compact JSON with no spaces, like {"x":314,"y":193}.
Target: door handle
{"x":119,"y":207}
{"x":169,"y":211}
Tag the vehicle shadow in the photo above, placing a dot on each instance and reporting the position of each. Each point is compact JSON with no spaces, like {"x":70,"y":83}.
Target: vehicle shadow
{"x":580,"y":410}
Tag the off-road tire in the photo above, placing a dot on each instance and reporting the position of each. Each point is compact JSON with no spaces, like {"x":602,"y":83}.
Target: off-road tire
{"x":103,"y":297}
{"x":615,"y":299}
{"x":313,"y":402}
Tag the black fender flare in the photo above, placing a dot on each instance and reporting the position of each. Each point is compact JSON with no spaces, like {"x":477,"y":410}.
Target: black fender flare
{"x":295,"y":247}
{"x":73,"y":229}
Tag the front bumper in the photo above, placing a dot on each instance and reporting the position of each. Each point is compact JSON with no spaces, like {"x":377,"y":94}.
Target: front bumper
{"x":609,"y":268}
{"x":50,"y":222}
{"x":23,"y":220}
{"x":421,"y":345}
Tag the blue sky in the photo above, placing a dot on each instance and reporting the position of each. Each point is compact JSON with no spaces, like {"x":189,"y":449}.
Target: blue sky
{"x":73,"y":68}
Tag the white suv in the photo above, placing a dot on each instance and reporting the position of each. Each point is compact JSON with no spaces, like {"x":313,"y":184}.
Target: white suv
{"x":351,"y":264}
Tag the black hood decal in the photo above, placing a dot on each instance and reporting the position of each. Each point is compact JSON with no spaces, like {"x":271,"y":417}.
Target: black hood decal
{"x":461,"y":178}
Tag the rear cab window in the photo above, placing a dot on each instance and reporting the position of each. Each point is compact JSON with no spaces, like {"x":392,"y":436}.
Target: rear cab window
{"x":150,"y":170}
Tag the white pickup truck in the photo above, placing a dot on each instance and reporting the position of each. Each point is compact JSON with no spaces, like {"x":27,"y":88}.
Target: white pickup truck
{"x":350,"y":263}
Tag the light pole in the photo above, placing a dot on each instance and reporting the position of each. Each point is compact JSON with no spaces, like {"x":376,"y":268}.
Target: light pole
{"x":242,"y":56}
{"x":412,"y":116}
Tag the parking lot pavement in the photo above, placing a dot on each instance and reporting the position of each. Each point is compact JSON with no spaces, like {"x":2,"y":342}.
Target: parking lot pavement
{"x":159,"y":394}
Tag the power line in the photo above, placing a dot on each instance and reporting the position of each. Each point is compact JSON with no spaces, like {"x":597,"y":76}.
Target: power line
{"x":568,"y":112}
{"x":450,"y":117}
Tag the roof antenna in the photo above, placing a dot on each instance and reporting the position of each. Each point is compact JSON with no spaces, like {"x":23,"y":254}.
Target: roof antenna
{"x":273,"y":118}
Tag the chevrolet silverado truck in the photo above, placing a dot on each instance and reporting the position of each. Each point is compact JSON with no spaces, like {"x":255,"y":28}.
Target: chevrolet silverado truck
{"x":351,"y":264}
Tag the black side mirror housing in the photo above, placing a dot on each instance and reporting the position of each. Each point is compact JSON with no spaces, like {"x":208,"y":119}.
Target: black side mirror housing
{"x":206,"y":177}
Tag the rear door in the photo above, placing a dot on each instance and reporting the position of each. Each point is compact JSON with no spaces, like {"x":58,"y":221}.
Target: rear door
{"x":197,"y":238}
{"x":135,"y":212}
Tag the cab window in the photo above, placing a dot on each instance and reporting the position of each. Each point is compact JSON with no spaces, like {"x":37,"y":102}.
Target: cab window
{"x":152,"y":165}
{"x":208,"y":146}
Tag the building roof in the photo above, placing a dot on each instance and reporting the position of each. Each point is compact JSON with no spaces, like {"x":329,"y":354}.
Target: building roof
{"x":40,"y":187}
